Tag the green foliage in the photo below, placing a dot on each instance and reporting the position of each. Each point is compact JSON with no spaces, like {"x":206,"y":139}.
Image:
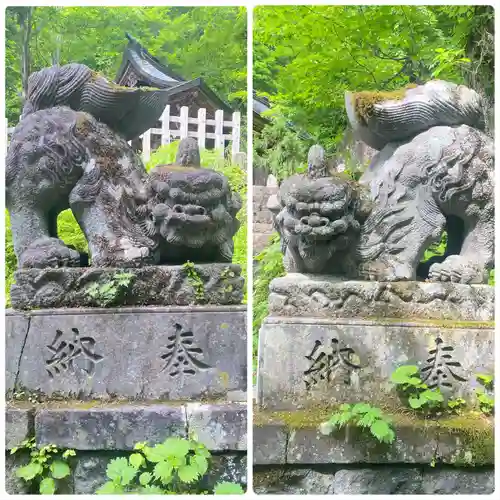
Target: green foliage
{"x":269,"y":265}
{"x":308,"y":56}
{"x":279,"y":150}
{"x":47,"y":467}
{"x":364,"y":416}
{"x":456,"y":405}
{"x":195,"y":280}
{"x":420,"y":397}
{"x":207,"y":42}
{"x":226,"y":488}
{"x":173,"y":467}
{"x":485,"y":394}
{"x":106,"y":294}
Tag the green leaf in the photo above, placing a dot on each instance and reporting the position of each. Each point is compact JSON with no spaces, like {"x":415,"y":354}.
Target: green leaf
{"x":136,"y":460}
{"x":30,"y":471}
{"x":110,"y":488}
{"x":59,"y":469}
{"x":163,"y":471}
{"x":177,"y":447}
{"x":188,"y":473}
{"x":415,"y":402}
{"x":361,"y":408}
{"x":47,"y":486}
{"x":432,"y":395}
{"x":200,"y":462}
{"x":381,"y":430}
{"x":145,"y":478}
{"x":69,"y":453}
{"x":156,"y":454}
{"x":226,"y":488}
{"x":120,"y":471}
{"x":403,"y":374}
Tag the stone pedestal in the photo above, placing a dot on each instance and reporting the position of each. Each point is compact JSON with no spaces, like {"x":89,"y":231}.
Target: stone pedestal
{"x":168,"y":353}
{"x":328,"y":342}
{"x":164,"y":353}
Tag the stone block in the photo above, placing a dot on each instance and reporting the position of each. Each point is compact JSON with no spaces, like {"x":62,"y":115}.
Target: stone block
{"x":13,"y":484}
{"x":226,"y":467}
{"x":219,"y":426}
{"x":329,"y":297}
{"x":305,"y":361}
{"x":378,"y":481}
{"x":222,"y":284}
{"x":270,"y":444}
{"x":111,"y":428}
{"x":168,"y":353}
{"x":459,"y":482}
{"x":18,"y":426}
{"x":90,"y":472}
{"x":16,"y":332}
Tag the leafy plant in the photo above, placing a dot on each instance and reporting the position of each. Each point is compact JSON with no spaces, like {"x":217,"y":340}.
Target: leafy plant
{"x":408,"y":381}
{"x":195,"y":280}
{"x":456,"y":405}
{"x":107,"y":293}
{"x":174,"y":466}
{"x":486,"y":401}
{"x":364,"y":416}
{"x":48,"y":465}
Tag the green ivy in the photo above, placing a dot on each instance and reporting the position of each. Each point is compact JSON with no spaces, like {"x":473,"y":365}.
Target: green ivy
{"x":195,"y":281}
{"x":485,"y":394}
{"x":107,"y":293}
{"x":363,"y":416}
{"x":173,"y":467}
{"x":420,"y":397}
{"x":48,"y":465}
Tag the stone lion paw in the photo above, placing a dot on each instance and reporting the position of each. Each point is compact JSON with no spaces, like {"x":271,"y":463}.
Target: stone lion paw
{"x":458,"y":269}
{"x":49,"y":252}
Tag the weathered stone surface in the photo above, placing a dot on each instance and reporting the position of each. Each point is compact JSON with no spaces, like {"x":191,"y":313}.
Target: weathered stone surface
{"x":305,"y":361}
{"x":153,"y":285}
{"x":90,"y":472}
{"x":111,"y":428}
{"x":461,"y":482}
{"x":237,"y":396}
{"x":145,"y":353}
{"x":18,"y":426}
{"x":14,"y":485}
{"x":388,"y":481}
{"x":16,"y":332}
{"x":328,"y":297}
{"x":269,"y":444}
{"x":227,"y":467}
{"x":371,"y":480}
{"x":219,"y":426}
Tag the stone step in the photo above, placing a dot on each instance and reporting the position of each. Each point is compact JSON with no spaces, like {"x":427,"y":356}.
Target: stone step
{"x":290,"y":438}
{"x":219,"y":426}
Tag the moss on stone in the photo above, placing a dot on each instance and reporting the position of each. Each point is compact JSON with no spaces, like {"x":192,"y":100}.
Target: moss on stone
{"x":441,"y":323}
{"x":365,"y":101}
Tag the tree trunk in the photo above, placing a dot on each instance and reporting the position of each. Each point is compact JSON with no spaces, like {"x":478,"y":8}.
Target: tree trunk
{"x":25,"y":15}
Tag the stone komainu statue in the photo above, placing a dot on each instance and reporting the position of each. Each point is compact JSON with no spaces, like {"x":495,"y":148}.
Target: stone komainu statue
{"x":70,"y":150}
{"x":434,"y":171}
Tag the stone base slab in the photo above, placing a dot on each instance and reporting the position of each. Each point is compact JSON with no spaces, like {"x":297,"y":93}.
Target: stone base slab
{"x":446,"y":441}
{"x":373,"y":480}
{"x":101,"y":433}
{"x":328,"y":297}
{"x":168,"y":353}
{"x":152,"y":285}
{"x":309,"y":361}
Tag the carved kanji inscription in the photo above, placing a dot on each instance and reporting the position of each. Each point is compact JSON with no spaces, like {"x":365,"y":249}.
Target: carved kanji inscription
{"x":182,"y":355}
{"x":67,"y":348}
{"x":327,"y":361}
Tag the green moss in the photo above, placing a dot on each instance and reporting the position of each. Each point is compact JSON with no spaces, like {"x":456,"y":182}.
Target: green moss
{"x":441,"y":323}
{"x":364,"y":102}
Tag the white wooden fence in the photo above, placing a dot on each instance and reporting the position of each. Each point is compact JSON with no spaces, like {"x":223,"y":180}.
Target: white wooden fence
{"x":181,"y":130}
{"x":177,"y":127}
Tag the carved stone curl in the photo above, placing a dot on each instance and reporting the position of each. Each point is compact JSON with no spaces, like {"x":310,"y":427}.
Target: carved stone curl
{"x":434,"y":172}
